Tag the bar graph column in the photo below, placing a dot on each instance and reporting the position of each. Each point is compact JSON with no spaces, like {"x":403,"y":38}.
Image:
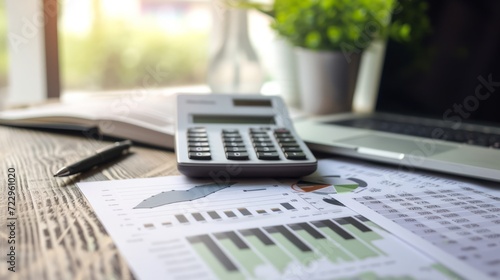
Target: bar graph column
{"x":267,"y":248}
{"x":301,"y":251}
{"x":212,"y":254}
{"x":361,"y":231}
{"x":214,"y":215}
{"x":240,"y":251}
{"x":345,"y":239}
{"x":312,"y":236}
{"x":181,"y":218}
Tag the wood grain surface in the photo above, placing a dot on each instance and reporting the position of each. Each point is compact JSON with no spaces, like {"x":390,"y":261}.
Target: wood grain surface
{"x":58,"y":236}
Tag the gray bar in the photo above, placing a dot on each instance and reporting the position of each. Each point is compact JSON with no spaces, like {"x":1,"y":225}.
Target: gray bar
{"x":216,"y":251}
{"x":354,"y":222}
{"x":259,"y":234}
{"x":213,"y":215}
{"x":234,"y":238}
{"x":181,"y":218}
{"x":290,"y":236}
{"x":309,"y":229}
{"x":337,"y":229}
{"x":230,"y":214}
{"x":198,"y":217}
{"x":288,"y":206}
{"x":244,"y":211}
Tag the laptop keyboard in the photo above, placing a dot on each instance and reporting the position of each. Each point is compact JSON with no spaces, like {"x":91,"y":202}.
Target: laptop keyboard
{"x":455,"y":135}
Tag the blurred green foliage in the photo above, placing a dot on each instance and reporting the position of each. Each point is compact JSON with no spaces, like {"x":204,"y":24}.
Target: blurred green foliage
{"x":412,"y":23}
{"x":332,"y":24}
{"x":119,"y":54}
{"x":344,"y":24}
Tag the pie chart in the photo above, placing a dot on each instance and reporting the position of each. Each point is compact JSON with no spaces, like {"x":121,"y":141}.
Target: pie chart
{"x":328,"y":185}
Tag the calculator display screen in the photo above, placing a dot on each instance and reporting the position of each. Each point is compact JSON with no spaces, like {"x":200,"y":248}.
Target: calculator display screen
{"x":252,"y":103}
{"x":227,"y":119}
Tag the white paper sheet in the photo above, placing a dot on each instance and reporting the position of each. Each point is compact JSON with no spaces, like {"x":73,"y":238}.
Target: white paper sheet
{"x":250,"y":229}
{"x":441,"y":213}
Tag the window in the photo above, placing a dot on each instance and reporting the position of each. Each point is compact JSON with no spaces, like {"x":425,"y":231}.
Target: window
{"x":3,"y":52}
{"x":115,"y":44}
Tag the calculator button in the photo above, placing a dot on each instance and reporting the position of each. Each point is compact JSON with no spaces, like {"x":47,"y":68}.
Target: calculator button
{"x":192,"y":135}
{"x":200,"y":155}
{"x":268,"y":156}
{"x":236,"y":149}
{"x":233,"y":139}
{"x":292,"y":149}
{"x":197,"y":139}
{"x":279,"y":136}
{"x":233,"y":144}
{"x":237,"y":155}
{"x":281,"y":131}
{"x":294,"y":155}
{"x":231,"y":135}
{"x":265,"y":149}
{"x":261,"y":139}
{"x":287,"y":145}
{"x":258,"y":135}
{"x":198,"y":149}
{"x":286,"y":140}
{"x":263,"y":144}
{"x":197,"y":129}
{"x":198,"y":144}
{"x":259,"y":129}
{"x":225,"y":131}
{"x":269,"y":143}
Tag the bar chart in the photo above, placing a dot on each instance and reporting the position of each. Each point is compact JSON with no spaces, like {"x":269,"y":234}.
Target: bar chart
{"x":281,"y":249}
{"x":240,"y":212}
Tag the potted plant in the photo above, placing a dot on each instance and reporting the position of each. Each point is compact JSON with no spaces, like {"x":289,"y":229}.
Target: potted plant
{"x":330,"y":36}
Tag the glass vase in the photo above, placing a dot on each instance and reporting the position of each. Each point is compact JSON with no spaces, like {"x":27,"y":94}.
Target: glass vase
{"x":235,"y":67}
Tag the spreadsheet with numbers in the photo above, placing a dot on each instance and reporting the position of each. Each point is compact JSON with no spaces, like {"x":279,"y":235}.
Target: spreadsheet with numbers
{"x":458,"y":216}
{"x":463,"y":222}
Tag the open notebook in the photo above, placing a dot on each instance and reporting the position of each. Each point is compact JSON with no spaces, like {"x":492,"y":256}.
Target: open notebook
{"x":149,"y":119}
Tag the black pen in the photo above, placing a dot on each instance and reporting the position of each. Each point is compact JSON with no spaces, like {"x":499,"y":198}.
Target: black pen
{"x":101,"y":156}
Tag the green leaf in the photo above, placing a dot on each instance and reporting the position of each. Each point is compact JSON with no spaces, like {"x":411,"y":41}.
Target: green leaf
{"x":334,"y":34}
{"x":313,"y":40}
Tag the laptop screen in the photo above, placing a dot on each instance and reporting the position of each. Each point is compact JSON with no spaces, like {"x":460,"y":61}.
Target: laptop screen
{"x":451,"y":69}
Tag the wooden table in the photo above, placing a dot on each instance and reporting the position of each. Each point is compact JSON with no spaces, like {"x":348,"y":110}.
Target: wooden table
{"x":57,"y":234}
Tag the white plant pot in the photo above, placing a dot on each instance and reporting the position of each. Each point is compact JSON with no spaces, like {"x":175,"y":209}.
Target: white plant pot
{"x":286,"y":71}
{"x":326,"y":80}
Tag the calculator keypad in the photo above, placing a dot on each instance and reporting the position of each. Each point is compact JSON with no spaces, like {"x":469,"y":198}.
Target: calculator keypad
{"x":263,"y":145}
{"x":198,"y":146}
{"x":236,"y":149}
{"x":233,"y":145}
{"x":289,"y":145}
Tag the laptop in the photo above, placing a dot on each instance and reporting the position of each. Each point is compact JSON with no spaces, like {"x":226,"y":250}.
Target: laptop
{"x":438,"y":102}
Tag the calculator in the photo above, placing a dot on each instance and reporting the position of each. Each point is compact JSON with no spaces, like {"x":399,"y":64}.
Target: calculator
{"x":223,"y":136}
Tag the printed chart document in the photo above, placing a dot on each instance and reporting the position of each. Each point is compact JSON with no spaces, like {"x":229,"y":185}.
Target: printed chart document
{"x":179,"y":228}
{"x":443,"y":214}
